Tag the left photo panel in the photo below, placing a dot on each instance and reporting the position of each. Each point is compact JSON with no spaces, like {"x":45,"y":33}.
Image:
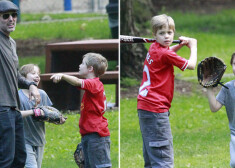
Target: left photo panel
{"x":59,"y":83}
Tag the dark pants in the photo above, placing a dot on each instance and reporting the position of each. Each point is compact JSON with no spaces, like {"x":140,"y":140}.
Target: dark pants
{"x":12,"y":142}
{"x":157,"y":139}
{"x":96,"y":151}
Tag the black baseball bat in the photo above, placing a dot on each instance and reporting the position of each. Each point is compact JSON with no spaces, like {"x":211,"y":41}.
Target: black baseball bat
{"x":133,"y":39}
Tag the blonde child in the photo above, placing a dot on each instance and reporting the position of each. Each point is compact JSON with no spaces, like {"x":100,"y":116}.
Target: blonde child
{"x":156,"y":91}
{"x":34,"y":130}
{"x":93,"y":125}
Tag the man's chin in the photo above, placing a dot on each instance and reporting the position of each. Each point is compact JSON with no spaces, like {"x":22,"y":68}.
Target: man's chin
{"x":10,"y":30}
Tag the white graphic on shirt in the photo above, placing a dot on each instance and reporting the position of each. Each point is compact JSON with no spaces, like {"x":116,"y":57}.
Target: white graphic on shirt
{"x":143,"y":91}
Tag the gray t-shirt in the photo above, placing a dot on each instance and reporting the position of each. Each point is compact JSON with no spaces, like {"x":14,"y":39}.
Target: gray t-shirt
{"x":227,"y":98}
{"x":34,"y":130}
{"x":9,"y":74}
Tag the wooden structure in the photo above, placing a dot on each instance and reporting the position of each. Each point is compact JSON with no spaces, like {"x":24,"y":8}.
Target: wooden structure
{"x":66,"y":58}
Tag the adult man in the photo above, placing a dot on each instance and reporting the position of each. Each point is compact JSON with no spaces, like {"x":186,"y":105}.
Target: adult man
{"x":12,"y":142}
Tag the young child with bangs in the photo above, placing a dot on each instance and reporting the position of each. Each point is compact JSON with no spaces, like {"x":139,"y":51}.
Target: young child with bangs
{"x":34,"y":130}
{"x":157,"y":88}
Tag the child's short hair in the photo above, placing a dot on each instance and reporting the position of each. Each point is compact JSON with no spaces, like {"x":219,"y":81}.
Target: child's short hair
{"x":160,"y":21}
{"x":233,"y":56}
{"x":27,"y":68}
{"x":97,"y":61}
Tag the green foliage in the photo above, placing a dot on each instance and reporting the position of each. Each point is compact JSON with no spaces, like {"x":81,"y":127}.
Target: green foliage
{"x":112,"y":65}
{"x":201,"y":138}
{"x":62,"y":141}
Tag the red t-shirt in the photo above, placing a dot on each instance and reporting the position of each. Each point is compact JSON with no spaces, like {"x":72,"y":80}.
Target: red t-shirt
{"x":157,"y":87}
{"x":93,"y":107}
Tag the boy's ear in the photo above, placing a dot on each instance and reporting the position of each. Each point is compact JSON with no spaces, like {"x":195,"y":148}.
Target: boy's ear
{"x":90,"y":68}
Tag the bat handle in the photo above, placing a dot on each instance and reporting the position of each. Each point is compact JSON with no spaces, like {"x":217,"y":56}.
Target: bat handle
{"x":176,"y":41}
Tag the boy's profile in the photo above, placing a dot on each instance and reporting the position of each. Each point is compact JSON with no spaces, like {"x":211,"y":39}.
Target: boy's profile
{"x":157,"y":88}
{"x":93,"y":125}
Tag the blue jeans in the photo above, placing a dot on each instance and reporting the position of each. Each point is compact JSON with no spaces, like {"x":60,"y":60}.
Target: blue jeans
{"x":96,"y":151}
{"x":232,"y":151}
{"x":157,"y":139}
{"x":12,"y":142}
{"x":34,"y":156}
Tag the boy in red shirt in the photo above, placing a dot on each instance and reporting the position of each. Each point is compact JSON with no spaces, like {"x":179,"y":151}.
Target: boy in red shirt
{"x":93,"y":125}
{"x":156,"y":91}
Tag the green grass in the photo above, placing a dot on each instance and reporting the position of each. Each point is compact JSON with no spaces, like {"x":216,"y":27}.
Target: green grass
{"x":62,"y":141}
{"x":73,"y":30}
{"x":38,"y":60}
{"x":201,"y":138}
{"x":39,"y":16}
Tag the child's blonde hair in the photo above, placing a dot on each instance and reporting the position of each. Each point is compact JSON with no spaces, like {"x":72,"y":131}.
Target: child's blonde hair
{"x":97,"y":61}
{"x":160,"y":21}
{"x":27,"y":68}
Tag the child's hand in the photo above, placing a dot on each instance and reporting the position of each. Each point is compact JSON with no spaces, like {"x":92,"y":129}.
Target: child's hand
{"x":189,"y":42}
{"x":57,"y":77}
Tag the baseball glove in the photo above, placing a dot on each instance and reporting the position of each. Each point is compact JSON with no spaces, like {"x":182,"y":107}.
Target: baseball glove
{"x":51,"y":115}
{"x":79,"y":156}
{"x":210,"y":71}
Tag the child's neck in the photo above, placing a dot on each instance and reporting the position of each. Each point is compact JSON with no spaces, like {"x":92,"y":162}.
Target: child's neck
{"x":90,"y":76}
{"x":26,"y":92}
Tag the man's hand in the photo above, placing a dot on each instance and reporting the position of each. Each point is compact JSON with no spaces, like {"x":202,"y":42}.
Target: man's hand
{"x":33,"y":92}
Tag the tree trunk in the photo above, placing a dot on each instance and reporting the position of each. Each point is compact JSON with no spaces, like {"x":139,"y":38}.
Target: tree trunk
{"x":132,"y":55}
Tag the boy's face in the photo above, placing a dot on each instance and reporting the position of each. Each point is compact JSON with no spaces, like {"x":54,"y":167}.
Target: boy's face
{"x":233,"y":65}
{"x":165,"y":36}
{"x":83,"y":69}
{"x":34,"y":76}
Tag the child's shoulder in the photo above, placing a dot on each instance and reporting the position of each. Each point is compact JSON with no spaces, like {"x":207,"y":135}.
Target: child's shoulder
{"x":230,"y":83}
{"x":42,"y":92}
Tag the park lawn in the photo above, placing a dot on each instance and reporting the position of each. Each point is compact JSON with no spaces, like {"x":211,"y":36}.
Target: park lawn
{"x":201,"y":138}
{"x":72,"y":30}
{"x":27,"y":17}
{"x":62,"y":141}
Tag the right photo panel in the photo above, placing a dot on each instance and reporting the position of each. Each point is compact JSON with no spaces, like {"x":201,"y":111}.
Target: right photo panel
{"x":177,"y":87}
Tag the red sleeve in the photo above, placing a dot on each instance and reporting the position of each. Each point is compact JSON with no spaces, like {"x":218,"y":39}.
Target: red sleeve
{"x":90,"y":85}
{"x":172,"y":58}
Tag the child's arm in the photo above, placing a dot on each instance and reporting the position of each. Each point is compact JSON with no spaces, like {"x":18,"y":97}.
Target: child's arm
{"x":214,"y":104}
{"x":26,"y":113}
{"x":70,"y":79}
{"x":192,"y":44}
{"x":37,"y":112}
